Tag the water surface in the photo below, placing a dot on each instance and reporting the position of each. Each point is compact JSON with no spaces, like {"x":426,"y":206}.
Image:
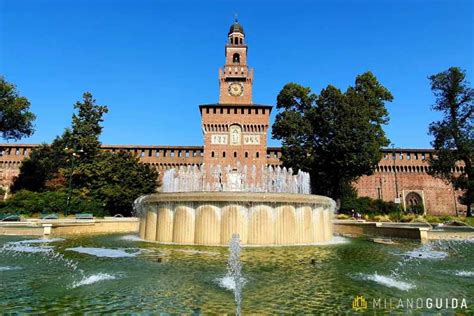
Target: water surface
{"x":120,"y":273}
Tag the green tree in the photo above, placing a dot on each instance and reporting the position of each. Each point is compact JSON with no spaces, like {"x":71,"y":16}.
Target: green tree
{"x":43,"y":166}
{"x":453,"y":134}
{"x":110,"y":180}
{"x":50,"y":164}
{"x":335,"y":136}
{"x":116,"y":180}
{"x":86,"y":126}
{"x":16,"y":120}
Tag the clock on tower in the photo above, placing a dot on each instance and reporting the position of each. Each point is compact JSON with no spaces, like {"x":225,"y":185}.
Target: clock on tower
{"x":235,"y":129}
{"x":235,"y":78}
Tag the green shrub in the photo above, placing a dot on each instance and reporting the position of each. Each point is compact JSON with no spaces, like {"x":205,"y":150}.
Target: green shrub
{"x":366,"y":205}
{"x":382,"y":218}
{"x":469,"y":220}
{"x":27,"y":203}
{"x":396,"y":216}
{"x":406,"y":218}
{"x":342,"y":216}
{"x":416,"y":209}
{"x":446,"y":218}
{"x":433,"y":219}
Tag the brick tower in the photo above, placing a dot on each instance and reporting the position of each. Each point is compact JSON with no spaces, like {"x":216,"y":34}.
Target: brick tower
{"x":235,"y":78}
{"x":235,"y":129}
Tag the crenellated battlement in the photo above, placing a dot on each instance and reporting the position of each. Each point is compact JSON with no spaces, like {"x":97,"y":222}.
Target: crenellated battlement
{"x":403,"y":171}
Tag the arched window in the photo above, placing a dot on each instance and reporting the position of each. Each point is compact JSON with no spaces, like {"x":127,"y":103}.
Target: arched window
{"x":236,"y":58}
{"x":246,"y":154}
{"x":240,"y":41}
{"x":258,"y":154}
{"x":412,"y":200}
{"x":223,"y":154}
{"x":235,"y":154}
{"x":212,"y":154}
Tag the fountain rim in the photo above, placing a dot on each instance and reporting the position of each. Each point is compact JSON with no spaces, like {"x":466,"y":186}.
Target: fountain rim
{"x":238,"y":197}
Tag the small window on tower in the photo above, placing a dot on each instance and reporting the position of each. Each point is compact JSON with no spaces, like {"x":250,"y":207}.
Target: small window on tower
{"x":240,"y":41}
{"x":236,"y":58}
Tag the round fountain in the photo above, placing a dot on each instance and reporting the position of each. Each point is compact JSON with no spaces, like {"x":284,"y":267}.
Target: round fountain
{"x":271,"y":206}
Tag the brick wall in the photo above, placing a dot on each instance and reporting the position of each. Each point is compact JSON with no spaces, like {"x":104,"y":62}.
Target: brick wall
{"x":407,"y":173}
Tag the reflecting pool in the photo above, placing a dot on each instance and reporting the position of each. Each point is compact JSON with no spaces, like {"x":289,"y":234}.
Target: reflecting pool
{"x":121,"y":273}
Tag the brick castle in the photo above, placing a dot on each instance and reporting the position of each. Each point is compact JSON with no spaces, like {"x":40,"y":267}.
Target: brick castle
{"x":235,"y":132}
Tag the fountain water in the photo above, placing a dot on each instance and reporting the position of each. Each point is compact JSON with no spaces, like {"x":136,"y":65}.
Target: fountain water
{"x":206,"y":205}
{"x":234,"y":270}
{"x":242,"y":179}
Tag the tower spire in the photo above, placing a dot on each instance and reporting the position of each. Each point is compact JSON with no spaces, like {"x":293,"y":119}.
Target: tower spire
{"x":235,"y":78}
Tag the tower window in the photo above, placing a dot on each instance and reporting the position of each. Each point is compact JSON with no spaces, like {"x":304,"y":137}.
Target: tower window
{"x":257,"y":155}
{"x":235,"y":154}
{"x":236,"y":58}
{"x":246,"y":154}
{"x":240,"y":41}
{"x":223,"y":154}
{"x":212,"y":154}
{"x":236,"y":41}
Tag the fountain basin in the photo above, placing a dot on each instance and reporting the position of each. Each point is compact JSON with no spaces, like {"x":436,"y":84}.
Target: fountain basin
{"x":211,"y":218}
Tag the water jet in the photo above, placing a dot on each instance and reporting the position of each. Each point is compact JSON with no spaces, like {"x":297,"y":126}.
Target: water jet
{"x":266,"y":212}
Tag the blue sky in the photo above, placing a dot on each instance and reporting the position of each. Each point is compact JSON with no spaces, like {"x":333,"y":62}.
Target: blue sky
{"x":153,"y":62}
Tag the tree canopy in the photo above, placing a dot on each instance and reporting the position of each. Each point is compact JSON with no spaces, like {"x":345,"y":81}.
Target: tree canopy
{"x":16,"y":120}
{"x":336,"y":136}
{"x":453,"y":134}
{"x":111,"y":181}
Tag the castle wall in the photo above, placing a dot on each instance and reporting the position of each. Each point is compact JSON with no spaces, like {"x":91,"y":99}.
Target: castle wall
{"x":407,"y":174}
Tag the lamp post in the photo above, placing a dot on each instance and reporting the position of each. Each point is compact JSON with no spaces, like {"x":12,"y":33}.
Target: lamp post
{"x":73,"y":153}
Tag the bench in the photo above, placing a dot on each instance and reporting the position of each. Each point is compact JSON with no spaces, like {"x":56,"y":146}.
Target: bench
{"x":11,"y":218}
{"x":50,"y":216}
{"x":84,"y":216}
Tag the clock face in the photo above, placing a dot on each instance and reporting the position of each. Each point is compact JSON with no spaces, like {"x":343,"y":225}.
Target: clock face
{"x":236,"y":89}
